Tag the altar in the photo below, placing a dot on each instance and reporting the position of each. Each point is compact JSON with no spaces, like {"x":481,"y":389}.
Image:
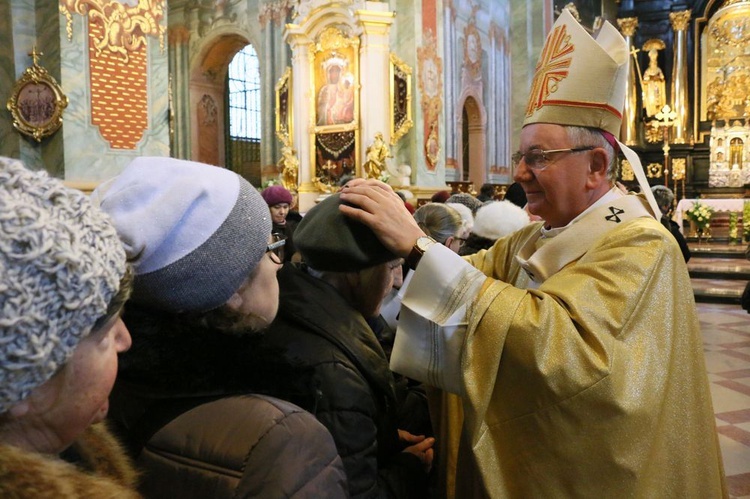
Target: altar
{"x":727,"y":205}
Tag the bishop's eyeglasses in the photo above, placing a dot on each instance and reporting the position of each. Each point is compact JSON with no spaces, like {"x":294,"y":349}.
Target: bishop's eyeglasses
{"x":539,"y":159}
{"x":276,"y":248}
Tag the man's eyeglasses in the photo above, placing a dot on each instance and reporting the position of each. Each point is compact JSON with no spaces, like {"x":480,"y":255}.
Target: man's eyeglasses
{"x":539,"y":159}
{"x":276,"y":248}
{"x":461,"y":241}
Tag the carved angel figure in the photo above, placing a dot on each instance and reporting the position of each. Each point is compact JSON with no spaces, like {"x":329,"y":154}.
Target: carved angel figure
{"x":289,"y":165}
{"x":377,"y":153}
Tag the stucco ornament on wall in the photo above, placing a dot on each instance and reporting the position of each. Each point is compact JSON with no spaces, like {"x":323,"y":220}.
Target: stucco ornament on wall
{"x":125,"y":28}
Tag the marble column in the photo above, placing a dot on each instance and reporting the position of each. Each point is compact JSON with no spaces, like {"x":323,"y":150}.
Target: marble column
{"x":302,"y":114}
{"x":179,"y":102}
{"x":268,"y":101}
{"x":274,"y":58}
{"x":449,"y":77}
{"x":628,"y":130}
{"x":679,"y":85}
{"x":374,"y":60}
{"x":491,"y":105}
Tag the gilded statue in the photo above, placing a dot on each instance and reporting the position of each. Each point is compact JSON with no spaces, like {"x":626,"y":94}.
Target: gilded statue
{"x":289,"y":165}
{"x":653,"y":82}
{"x":377,"y":153}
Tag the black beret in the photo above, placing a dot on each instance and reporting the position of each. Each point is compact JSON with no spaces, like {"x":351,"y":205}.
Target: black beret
{"x":332,"y":242}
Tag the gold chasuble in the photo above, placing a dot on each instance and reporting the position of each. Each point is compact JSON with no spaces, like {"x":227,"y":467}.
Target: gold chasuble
{"x":592,"y":385}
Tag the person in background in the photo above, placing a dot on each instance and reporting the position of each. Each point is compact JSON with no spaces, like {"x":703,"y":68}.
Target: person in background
{"x":205,"y":262}
{"x":466,"y":215}
{"x":443,"y":223}
{"x":578,"y":374}
{"x":64,"y":281}
{"x":665,"y":199}
{"x":440,"y":197}
{"x":516,"y":195}
{"x":486,"y":193}
{"x":408,"y":205}
{"x":279,"y":201}
{"x":467,"y":200}
{"x":493,"y":221}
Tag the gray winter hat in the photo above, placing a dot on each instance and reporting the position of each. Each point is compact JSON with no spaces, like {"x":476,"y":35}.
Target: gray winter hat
{"x":193,"y":232}
{"x":60,"y":266}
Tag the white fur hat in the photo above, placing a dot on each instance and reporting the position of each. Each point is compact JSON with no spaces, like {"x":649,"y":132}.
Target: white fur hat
{"x":194,"y":232}
{"x":498,"y":219}
{"x":61,"y":263}
{"x":465,"y":213}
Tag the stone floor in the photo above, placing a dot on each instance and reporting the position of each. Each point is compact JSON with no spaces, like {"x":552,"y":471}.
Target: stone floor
{"x":726,"y":340}
{"x":719,"y":273}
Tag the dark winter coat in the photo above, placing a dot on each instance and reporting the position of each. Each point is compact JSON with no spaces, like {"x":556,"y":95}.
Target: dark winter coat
{"x":181,"y":404}
{"x":242,"y":446}
{"x":339,"y":372}
{"x":674,"y":229}
{"x":287,"y":231}
{"x":319,"y":354}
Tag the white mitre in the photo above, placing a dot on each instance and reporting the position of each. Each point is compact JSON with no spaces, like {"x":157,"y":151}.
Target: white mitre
{"x":581,"y":81}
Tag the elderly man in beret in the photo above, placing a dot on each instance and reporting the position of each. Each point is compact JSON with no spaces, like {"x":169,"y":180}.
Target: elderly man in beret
{"x":322,"y":354}
{"x":574,"y":343}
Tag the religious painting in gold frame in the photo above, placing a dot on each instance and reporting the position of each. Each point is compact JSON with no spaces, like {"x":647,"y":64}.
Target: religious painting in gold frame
{"x":37,"y":102}
{"x":284,"y":107}
{"x":334,"y":100}
{"x":335,"y":81}
{"x":400,"y":78}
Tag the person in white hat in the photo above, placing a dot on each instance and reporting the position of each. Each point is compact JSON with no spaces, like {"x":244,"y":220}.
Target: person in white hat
{"x":574,"y":342}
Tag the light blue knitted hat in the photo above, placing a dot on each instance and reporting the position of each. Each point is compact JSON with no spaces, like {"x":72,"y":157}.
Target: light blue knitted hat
{"x":193,"y":232}
{"x":60,"y":265}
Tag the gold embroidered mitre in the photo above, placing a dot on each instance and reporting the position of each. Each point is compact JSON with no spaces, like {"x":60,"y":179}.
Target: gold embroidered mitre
{"x":580,"y":80}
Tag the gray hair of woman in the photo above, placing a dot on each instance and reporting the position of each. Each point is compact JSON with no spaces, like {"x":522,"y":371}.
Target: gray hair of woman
{"x":440,"y":222}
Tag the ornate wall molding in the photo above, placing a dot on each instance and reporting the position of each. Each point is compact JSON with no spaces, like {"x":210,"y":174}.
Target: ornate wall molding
{"x":431,"y":94}
{"x":123,"y":28}
{"x":275,"y":12}
{"x":473,"y":50}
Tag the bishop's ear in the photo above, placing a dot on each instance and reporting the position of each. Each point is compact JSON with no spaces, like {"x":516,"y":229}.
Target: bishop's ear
{"x":599,"y":161}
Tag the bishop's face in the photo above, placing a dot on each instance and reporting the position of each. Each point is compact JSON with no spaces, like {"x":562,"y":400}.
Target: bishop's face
{"x":559,"y":192}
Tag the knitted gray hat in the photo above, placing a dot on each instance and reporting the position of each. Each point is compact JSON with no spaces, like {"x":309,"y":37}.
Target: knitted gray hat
{"x":330,"y":241}
{"x":192,"y":231}
{"x":60,"y":265}
{"x":467,"y":200}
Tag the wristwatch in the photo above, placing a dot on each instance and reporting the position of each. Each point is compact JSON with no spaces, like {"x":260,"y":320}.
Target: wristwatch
{"x":418,"y":250}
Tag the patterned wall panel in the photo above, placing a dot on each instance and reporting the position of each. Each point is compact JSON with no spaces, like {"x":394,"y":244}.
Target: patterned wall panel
{"x":122,"y":117}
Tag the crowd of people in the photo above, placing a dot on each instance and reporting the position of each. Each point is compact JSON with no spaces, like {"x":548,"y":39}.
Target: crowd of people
{"x":544,"y":345}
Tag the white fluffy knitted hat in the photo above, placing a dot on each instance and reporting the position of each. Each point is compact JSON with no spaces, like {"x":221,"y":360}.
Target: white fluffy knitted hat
{"x":498,"y":219}
{"x":193,"y":232}
{"x":60,"y":265}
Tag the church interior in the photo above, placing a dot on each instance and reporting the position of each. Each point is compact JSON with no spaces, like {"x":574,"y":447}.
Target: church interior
{"x":425,"y":96}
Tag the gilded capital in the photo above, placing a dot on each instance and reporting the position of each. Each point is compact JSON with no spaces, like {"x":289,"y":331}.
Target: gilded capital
{"x":627,"y":25}
{"x":680,"y":20}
